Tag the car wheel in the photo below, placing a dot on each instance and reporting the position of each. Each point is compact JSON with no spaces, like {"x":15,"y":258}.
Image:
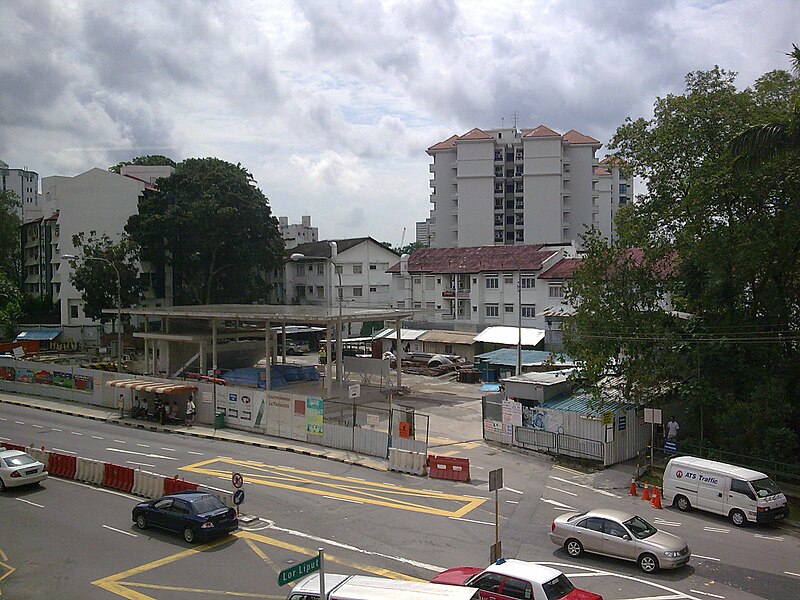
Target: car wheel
{"x":141,"y":522}
{"x":738,"y":518}
{"x":188,"y":535}
{"x":573,"y":547}
{"x":683,"y":504}
{"x":648,"y":563}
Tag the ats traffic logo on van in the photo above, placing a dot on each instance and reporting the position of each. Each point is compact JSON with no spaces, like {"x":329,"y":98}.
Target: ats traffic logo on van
{"x":678,"y":473}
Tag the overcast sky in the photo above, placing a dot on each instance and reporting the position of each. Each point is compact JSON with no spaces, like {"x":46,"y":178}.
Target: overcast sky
{"x":331,"y":104}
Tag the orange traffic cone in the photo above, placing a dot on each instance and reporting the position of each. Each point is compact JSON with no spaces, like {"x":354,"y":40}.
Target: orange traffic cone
{"x":646,"y":493}
{"x":656,"y":501}
{"x":632,"y":492}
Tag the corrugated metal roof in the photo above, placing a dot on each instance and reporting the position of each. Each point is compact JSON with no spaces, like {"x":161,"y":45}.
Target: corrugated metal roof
{"x":545,"y":379}
{"x":510,"y":335}
{"x":39,"y":334}
{"x":405,"y":334}
{"x":448,"y":337}
{"x":508,"y":357}
{"x":586,"y":404}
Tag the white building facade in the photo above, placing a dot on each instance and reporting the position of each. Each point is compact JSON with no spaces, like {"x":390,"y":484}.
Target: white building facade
{"x":511,"y":186}
{"x":25,"y":184}
{"x":469,"y":289}
{"x":294,"y":234}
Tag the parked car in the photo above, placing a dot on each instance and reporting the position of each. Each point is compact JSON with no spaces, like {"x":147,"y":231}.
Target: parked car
{"x":619,"y":534}
{"x":197,"y":515}
{"x":18,"y":468}
{"x":508,"y":579}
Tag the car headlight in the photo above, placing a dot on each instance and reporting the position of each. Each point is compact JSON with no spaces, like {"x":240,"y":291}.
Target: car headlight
{"x":672,"y":553}
{"x":206,"y":525}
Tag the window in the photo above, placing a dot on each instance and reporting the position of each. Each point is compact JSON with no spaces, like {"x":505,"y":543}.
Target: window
{"x":358,"y":269}
{"x":498,"y":171}
{"x":518,"y":171}
{"x":448,"y":348}
{"x":492,"y":282}
{"x":528,"y":311}
{"x":417,"y":280}
{"x":528,"y":282}
{"x":615,"y":529}
{"x":517,"y":588}
{"x":320,"y":291}
{"x":430,"y":283}
{"x":623,"y":188}
{"x":401,"y":304}
{"x":321,"y":269}
{"x":510,"y":220}
{"x":509,"y":308}
{"x":520,"y":219}
{"x":373,"y":267}
{"x":488,"y":582}
{"x":339,"y":270}
{"x":417,"y":304}
{"x":373,"y":289}
{"x":492,"y":310}
{"x":299,"y":270}
{"x":498,"y":220}
{"x":509,"y":279}
{"x":556,"y":290}
{"x":498,"y":236}
{"x":519,"y":203}
{"x":498,"y":203}
{"x":430,"y":305}
{"x":742,"y":487}
{"x":519,"y":187}
{"x":558,"y":587}
{"x":592,"y":523}
{"x":358,"y":291}
{"x":311,"y":290}
{"x":520,"y":235}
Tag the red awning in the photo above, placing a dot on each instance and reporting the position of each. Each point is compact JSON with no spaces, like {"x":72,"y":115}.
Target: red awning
{"x":156,"y":387}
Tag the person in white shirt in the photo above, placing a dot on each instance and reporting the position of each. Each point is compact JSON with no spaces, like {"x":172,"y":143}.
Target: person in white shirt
{"x":190,"y":408}
{"x":672,"y":428}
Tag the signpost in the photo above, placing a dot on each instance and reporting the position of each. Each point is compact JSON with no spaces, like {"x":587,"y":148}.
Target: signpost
{"x":652,"y":416}
{"x":496,"y":484}
{"x":302,"y":569}
{"x":237,"y":480}
{"x":354,"y":391}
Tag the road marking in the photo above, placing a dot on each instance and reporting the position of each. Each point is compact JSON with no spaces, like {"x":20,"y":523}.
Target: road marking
{"x":19,"y":422}
{"x":558,"y":504}
{"x":5,"y":439}
{"x":130,"y":462}
{"x":472,"y":521}
{"x":659,"y":521}
{"x":31,"y":503}
{"x":168,"y":449}
{"x":37,"y":426}
{"x":513,"y":491}
{"x":343,"y":499}
{"x":120,"y":442}
{"x":122,"y":451}
{"x":75,"y":433}
{"x":197,"y":453}
{"x":716,"y":529}
{"x":573,"y":471}
{"x":705,"y":557}
{"x":3,"y":419}
{"x":790,"y":573}
{"x":56,"y":429}
{"x":706,"y":593}
{"x":512,"y":502}
{"x":768,"y":537}
{"x":65,"y":451}
{"x":583,"y":485}
{"x":97,"y":437}
{"x":143,"y":445}
{"x":560,"y":490}
{"x":120,"y":531}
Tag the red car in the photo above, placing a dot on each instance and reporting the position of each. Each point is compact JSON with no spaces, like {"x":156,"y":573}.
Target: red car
{"x":510,"y":579}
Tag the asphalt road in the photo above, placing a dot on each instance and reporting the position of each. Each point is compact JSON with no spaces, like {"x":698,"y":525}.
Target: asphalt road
{"x":68,"y":540}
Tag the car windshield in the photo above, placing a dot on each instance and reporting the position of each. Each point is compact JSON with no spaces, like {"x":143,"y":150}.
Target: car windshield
{"x":557,"y":588}
{"x":765,"y":487}
{"x":207,"y":504}
{"x":640,"y":528}
{"x":19,"y":460}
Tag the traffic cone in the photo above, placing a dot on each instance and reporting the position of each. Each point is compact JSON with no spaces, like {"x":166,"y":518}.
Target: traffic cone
{"x":656,"y":500}
{"x":646,"y":493}
{"x":632,"y":492}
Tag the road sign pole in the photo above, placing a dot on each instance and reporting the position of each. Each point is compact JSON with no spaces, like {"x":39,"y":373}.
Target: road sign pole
{"x":322,"y":573}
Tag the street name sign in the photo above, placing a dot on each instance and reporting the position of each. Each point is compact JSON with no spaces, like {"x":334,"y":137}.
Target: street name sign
{"x":299,"y":570}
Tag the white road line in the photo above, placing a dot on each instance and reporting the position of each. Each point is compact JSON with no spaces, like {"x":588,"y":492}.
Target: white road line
{"x":705,"y":557}
{"x":75,"y":433}
{"x":658,"y":521}
{"x":768,"y":537}
{"x":583,"y":485}
{"x":31,"y":503}
{"x":19,"y":422}
{"x":168,"y":449}
{"x":512,"y":502}
{"x":790,"y":573}
{"x":143,"y":445}
{"x":3,"y":419}
{"x":120,"y":442}
{"x":716,"y":529}
{"x":558,"y":504}
{"x":130,"y":462}
{"x":357,"y":478}
{"x":197,"y":453}
{"x":120,"y":531}
{"x":471,"y":521}
{"x":64,"y":451}
{"x":97,"y":437}
{"x":56,"y":429}
{"x":513,"y":491}
{"x":560,"y":490}
{"x":706,"y":593}
{"x":586,"y":574}
{"x":38,"y":426}
{"x":343,"y":499}
{"x":122,"y":451}
{"x":5,"y":439}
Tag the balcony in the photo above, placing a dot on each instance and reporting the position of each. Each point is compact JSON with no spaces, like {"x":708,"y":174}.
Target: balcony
{"x":461,"y":293}
{"x":432,"y":183}
{"x":431,"y":168}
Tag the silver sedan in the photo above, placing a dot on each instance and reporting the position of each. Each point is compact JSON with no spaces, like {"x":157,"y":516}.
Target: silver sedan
{"x":620,"y":535}
{"x":17,"y":468}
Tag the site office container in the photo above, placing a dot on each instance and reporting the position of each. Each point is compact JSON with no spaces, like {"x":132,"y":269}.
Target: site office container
{"x":360,"y":587}
{"x":736,"y":492}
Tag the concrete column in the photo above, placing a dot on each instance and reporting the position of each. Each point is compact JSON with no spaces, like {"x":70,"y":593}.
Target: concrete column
{"x":267,"y":357}
{"x":328,"y":360}
{"x":397,"y":326}
{"x":213,"y":346}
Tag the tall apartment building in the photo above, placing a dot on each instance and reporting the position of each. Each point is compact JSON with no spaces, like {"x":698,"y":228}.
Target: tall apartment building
{"x":511,"y":186}
{"x":25,"y":184}
{"x":297,"y":233}
{"x":424,"y":233}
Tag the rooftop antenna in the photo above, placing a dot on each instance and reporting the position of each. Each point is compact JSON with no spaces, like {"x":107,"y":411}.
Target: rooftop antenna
{"x":502,"y":122}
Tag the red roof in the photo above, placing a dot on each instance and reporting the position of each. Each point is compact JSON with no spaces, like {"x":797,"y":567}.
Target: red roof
{"x":563,"y":269}
{"x":601,"y":171}
{"x":477,"y":259}
{"x":542,"y":131}
{"x":447,"y":144}
{"x":475,"y":134}
{"x":575,"y":137}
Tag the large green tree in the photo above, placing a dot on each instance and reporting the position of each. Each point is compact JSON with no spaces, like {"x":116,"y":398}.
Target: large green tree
{"x":214,"y":228}
{"x":10,"y":259}
{"x":10,"y":307}
{"x":719,"y":243}
{"x":147,"y":160}
{"x":94,"y":274}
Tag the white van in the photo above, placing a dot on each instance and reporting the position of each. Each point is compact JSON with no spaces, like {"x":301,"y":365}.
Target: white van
{"x":361,"y":587}
{"x":741,"y":494}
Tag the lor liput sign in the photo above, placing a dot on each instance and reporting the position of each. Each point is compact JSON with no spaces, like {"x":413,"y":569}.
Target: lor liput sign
{"x":299,"y":570}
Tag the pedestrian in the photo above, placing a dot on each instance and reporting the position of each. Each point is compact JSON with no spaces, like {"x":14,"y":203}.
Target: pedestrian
{"x":407,"y":349}
{"x":190,"y":408}
{"x":137,"y":408}
{"x":121,"y":406}
{"x":672,"y":428}
{"x":161,"y":410}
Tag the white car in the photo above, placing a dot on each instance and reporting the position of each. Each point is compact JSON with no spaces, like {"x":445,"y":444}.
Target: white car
{"x":17,"y":468}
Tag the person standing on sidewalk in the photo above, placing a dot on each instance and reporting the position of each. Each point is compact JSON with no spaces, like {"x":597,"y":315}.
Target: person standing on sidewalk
{"x":190,"y":408}
{"x":672,"y":428}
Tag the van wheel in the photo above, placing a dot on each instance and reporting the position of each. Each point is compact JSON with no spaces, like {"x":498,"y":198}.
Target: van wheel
{"x":682,"y":502}
{"x":648,"y":563}
{"x":738,"y":518}
{"x":573,"y":547}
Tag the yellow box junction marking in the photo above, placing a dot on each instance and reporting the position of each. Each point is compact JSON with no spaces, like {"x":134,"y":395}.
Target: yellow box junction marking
{"x":335,"y":486}
{"x":120,"y":585}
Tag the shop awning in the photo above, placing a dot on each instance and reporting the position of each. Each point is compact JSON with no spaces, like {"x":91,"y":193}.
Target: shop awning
{"x":155,"y":387}
{"x":43,"y":335}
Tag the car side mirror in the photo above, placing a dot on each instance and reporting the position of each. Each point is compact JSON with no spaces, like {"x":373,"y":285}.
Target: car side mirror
{"x":626,"y":537}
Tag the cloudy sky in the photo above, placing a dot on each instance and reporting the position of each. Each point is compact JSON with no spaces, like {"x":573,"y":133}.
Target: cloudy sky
{"x":331,"y":104}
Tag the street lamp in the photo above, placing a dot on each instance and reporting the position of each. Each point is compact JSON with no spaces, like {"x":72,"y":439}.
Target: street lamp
{"x":119,"y":302}
{"x":519,"y":309}
{"x":301,"y":256}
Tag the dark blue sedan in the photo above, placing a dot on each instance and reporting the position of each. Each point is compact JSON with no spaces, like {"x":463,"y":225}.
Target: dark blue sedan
{"x":197,"y":515}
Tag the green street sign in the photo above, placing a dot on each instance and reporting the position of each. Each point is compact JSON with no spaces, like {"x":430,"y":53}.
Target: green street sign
{"x":299,"y":570}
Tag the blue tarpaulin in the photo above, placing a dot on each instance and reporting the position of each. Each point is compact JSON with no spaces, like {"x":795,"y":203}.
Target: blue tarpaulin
{"x":279,"y":375}
{"x":43,"y":335}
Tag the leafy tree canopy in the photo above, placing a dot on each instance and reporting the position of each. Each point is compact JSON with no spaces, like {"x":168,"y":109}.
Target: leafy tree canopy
{"x":10,"y":307}
{"x":94,"y":275}
{"x":214,"y":227}
{"x":152,"y":160}
{"x":10,"y":259}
